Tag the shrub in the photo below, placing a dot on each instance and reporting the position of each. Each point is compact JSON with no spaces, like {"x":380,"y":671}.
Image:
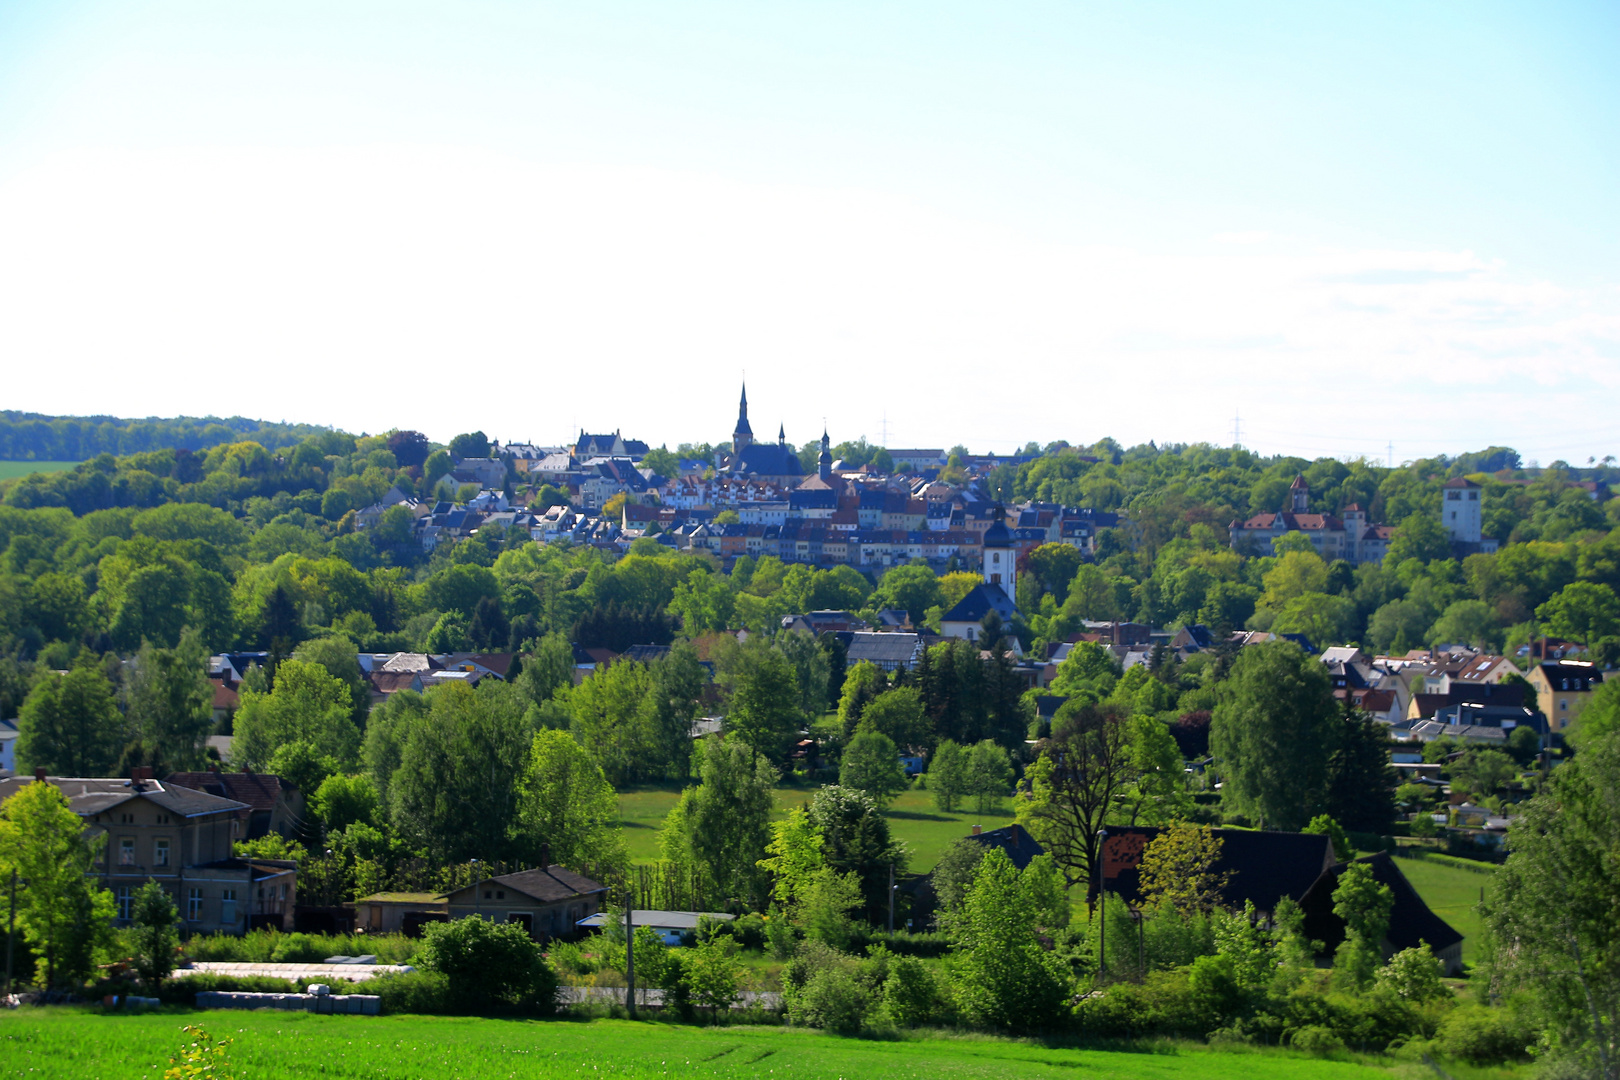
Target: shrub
{"x":910,"y":994}
{"x":569,"y":959}
{"x":299,"y":949}
{"x":711,"y":975}
{"x":1315,"y":1039}
{"x":184,"y":991}
{"x":1482,"y":1035}
{"x":489,"y":964}
{"x":1413,"y":974}
{"x":425,"y":992}
{"x":261,"y":946}
{"x":833,"y":999}
{"x":749,"y":930}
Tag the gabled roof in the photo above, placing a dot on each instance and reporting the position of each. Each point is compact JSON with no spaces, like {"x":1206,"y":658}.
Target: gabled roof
{"x":1265,"y":866}
{"x":979,"y":602}
{"x":1410,"y":920}
{"x":259,"y":791}
{"x":887,"y":648}
{"x":551,"y":885}
{"x":1015,"y":840}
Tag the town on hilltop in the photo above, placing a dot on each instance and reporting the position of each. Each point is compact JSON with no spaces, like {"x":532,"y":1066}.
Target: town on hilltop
{"x":847,"y":734}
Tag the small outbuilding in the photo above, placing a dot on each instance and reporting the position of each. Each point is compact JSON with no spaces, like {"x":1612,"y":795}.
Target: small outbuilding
{"x":675,"y":927}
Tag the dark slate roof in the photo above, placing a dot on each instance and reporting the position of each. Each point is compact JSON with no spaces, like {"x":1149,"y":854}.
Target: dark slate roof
{"x":258,"y":790}
{"x":813,"y":499}
{"x":1410,"y":919}
{"x":997,"y":535}
{"x":646,"y":654}
{"x":551,"y":885}
{"x":1265,"y":866}
{"x":881,"y":648}
{"x":980,"y":602}
{"x":767,"y":459}
{"x":1014,"y":840}
{"x":1047,"y":705}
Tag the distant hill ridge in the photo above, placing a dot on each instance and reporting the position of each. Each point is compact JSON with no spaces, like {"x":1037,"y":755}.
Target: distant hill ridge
{"x":27,"y":436}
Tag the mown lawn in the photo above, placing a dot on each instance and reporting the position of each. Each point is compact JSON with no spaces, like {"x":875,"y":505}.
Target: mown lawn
{"x":88,"y":1045}
{"x":1451,"y":893}
{"x":912,"y":818}
{"x":10,"y":469}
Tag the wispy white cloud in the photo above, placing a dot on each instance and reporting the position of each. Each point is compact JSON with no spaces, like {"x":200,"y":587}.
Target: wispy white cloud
{"x":444,"y":289}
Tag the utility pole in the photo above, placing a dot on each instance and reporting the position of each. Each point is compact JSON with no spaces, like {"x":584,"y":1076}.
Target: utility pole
{"x":1102,"y":908}
{"x":629,"y":953}
{"x":1237,"y":429}
{"x":891,"y":900}
{"x":11,"y":928}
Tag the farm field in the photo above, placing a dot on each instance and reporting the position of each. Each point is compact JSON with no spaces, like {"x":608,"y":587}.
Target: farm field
{"x":88,"y":1045}
{"x":11,"y":469}
{"x":912,"y":818}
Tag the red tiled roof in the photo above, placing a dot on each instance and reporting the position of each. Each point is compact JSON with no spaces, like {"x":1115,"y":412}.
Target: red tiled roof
{"x":224,"y":696}
{"x":259,"y":790}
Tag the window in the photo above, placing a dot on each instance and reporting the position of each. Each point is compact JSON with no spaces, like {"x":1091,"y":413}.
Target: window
{"x":126,"y":900}
{"x":126,"y":852}
{"x":1563,"y":705}
{"x":194,"y":905}
{"x":160,"y":853}
{"x":500,"y":894}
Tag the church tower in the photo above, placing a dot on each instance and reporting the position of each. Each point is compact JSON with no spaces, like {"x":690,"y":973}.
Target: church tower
{"x":824,"y":462}
{"x":1299,"y":495}
{"x":744,"y":434}
{"x":1000,"y":556}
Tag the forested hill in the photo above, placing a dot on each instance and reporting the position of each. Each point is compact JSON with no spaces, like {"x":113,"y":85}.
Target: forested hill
{"x":26,"y":436}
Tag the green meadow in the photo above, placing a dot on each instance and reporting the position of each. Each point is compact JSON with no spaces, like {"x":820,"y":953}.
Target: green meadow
{"x":11,"y":469}
{"x":912,"y":819}
{"x":85,"y":1044}
{"x":1452,"y":892}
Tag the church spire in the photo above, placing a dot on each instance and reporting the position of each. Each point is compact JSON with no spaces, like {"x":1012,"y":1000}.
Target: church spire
{"x":744,"y":434}
{"x":824,"y":461}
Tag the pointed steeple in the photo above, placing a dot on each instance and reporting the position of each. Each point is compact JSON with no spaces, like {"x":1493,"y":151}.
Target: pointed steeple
{"x":744,"y":434}
{"x":781,"y":434}
{"x":824,"y":462}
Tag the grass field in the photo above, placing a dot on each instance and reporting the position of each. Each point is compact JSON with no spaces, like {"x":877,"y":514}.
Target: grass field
{"x":1451,"y":893}
{"x":10,"y":469}
{"x":88,"y":1045}
{"x":912,"y":818}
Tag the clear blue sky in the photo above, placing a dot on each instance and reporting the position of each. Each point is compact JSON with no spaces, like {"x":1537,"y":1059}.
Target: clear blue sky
{"x":981,"y":223}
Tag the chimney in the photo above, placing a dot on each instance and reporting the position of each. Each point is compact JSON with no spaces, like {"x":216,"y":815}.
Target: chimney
{"x":141,"y":772}
{"x":39,"y":775}
{"x":977,"y":830}
{"x":545,"y":856}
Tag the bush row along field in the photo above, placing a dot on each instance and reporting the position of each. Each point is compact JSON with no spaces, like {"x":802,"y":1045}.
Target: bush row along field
{"x":63,"y":1042}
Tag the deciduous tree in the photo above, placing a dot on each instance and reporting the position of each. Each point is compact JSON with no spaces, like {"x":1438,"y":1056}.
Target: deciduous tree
{"x":1271,"y":734}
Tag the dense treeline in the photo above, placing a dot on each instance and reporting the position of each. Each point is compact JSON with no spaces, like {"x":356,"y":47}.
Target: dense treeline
{"x":26,"y":436}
